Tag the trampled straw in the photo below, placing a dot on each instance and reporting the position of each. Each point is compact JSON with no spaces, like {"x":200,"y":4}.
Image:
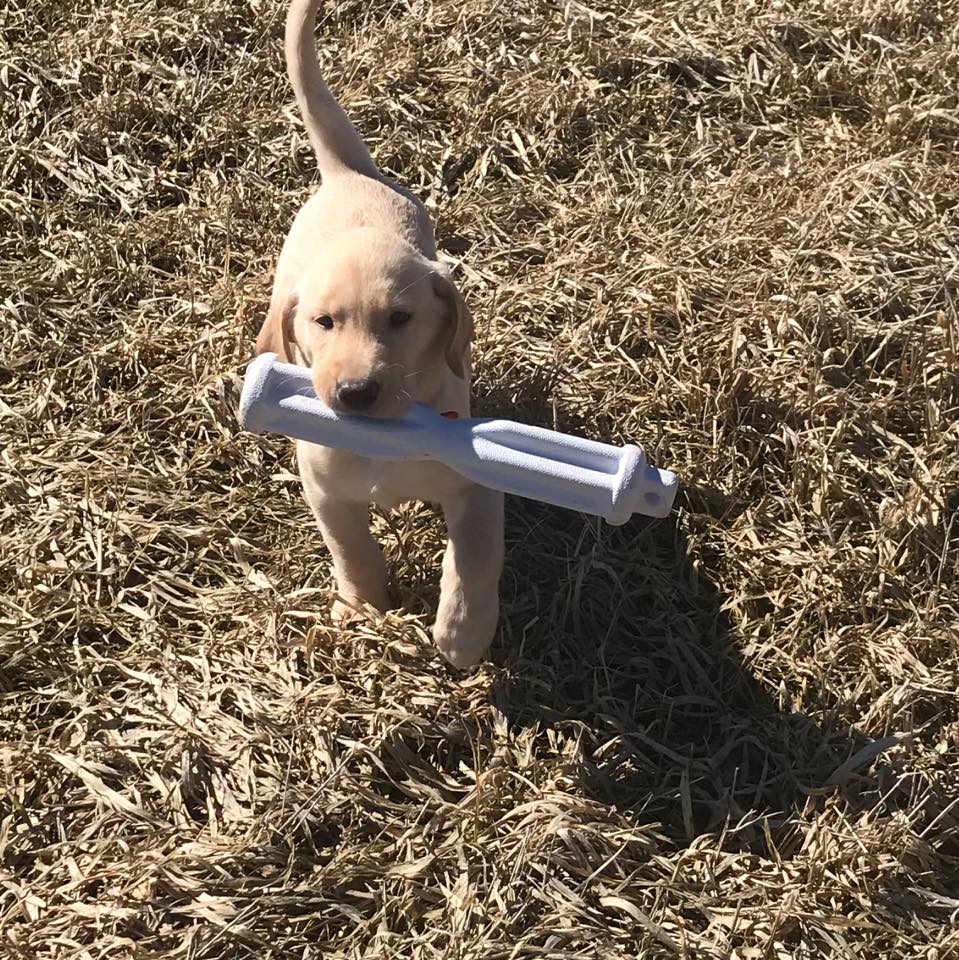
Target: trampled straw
{"x":728,"y":229}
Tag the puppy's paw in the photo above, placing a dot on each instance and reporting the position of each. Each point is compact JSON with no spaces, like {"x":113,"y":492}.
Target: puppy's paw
{"x":347,"y":610}
{"x":463,"y":638}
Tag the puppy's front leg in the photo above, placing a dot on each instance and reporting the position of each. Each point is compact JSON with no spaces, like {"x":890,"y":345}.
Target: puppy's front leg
{"x":469,"y":590}
{"x":358,"y":564}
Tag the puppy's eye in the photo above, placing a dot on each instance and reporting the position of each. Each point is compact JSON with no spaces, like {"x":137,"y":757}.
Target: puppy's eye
{"x":324,"y":321}
{"x":399,"y":318}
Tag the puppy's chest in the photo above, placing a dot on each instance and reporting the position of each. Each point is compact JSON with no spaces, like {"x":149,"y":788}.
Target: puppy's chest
{"x":339,"y":475}
{"x":392,"y":483}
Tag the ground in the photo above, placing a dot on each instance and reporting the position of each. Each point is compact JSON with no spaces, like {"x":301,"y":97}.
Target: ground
{"x":725,"y":230}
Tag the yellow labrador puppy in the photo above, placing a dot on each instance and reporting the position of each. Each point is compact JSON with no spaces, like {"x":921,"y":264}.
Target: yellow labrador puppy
{"x":360,"y":298}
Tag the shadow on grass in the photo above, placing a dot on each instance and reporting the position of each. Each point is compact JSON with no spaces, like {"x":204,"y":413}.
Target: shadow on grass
{"x":610,"y":636}
{"x":615,"y":646}
{"x":615,"y":649}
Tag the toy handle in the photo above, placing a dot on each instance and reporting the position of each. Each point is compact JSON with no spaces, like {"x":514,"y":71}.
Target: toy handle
{"x":279,"y":397}
{"x":572,"y":472}
{"x":567,"y":471}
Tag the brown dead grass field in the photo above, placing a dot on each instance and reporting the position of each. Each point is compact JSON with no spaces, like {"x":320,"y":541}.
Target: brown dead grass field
{"x":725,"y":229}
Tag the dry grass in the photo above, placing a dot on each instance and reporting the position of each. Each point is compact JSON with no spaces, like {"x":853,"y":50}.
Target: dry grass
{"x":725,"y":229}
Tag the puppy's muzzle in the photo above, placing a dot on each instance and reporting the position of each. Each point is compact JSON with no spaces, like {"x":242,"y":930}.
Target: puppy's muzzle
{"x":357,"y":395}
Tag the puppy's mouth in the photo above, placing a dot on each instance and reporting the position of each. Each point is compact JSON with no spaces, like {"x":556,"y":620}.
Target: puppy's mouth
{"x":386,"y":406}
{"x":378,"y":412}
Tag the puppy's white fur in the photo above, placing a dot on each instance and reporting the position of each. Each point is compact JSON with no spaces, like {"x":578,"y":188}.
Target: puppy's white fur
{"x":359,"y":296}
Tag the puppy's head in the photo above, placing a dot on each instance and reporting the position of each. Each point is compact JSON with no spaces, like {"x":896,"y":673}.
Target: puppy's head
{"x":377,"y":323}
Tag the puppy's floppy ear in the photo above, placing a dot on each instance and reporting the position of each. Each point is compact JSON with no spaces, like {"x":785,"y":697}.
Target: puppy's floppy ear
{"x":459,"y":320}
{"x":276,"y":334}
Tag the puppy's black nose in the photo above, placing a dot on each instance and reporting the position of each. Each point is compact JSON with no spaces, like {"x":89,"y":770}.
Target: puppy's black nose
{"x":357,"y":394}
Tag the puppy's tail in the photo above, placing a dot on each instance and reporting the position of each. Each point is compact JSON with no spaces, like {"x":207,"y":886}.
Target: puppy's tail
{"x":337,"y":144}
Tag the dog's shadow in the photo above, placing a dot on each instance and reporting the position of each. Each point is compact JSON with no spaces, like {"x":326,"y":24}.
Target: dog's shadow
{"x":615,"y":646}
{"x":616,"y":643}
{"x":617,"y":654}
{"x":611,"y":638}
